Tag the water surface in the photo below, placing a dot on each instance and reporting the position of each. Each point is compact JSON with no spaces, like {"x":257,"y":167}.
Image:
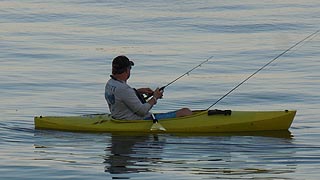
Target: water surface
{"x":55,"y":59}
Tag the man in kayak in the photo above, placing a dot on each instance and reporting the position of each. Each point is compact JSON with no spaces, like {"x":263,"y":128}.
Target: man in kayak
{"x":124,"y":101}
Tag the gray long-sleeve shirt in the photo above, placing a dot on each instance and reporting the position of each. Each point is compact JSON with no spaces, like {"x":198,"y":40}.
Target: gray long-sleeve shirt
{"x":123,"y":101}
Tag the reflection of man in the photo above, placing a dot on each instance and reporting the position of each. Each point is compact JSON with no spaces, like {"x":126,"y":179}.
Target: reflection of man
{"x":120,"y":158}
{"x":123,"y":158}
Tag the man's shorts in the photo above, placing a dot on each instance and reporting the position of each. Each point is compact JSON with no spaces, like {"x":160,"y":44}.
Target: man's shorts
{"x":167,"y":115}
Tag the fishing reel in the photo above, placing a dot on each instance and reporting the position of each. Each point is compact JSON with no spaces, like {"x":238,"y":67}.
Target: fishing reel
{"x":144,"y":97}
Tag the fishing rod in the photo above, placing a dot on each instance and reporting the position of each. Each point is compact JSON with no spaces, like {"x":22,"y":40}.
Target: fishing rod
{"x":156,"y":126}
{"x":284,"y":52}
{"x":186,"y":73}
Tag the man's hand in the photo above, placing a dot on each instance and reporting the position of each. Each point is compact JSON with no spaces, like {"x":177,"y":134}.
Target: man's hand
{"x":158,"y":94}
{"x":146,"y":91}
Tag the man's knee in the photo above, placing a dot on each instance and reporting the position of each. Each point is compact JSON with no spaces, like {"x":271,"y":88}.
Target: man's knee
{"x":184,"y":112}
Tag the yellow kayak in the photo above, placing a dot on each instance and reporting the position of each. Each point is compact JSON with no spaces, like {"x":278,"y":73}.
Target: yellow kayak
{"x":202,"y":121}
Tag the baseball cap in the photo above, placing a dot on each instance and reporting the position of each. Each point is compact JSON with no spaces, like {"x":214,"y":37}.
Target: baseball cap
{"x":120,"y":63}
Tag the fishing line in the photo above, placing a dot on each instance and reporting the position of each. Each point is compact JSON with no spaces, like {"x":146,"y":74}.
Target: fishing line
{"x":303,"y":43}
{"x":284,"y":52}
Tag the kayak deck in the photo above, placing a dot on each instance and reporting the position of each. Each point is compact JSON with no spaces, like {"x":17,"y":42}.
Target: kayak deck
{"x":201,"y":121}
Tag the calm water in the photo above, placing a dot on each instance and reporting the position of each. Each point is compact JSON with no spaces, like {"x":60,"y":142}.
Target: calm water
{"x":55,"y":59}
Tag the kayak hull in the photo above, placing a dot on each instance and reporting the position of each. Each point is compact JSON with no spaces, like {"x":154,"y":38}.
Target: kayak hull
{"x":200,"y":122}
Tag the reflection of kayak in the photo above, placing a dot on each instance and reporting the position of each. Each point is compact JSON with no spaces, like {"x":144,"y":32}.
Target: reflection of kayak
{"x":200,"y":122}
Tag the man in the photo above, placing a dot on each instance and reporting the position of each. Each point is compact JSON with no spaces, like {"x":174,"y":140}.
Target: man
{"x":123,"y":100}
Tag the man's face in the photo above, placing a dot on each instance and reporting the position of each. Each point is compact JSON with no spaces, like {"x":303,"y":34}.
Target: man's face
{"x":128,"y":72}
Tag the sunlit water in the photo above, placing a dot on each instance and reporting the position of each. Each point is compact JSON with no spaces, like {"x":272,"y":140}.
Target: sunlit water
{"x":55,"y":59}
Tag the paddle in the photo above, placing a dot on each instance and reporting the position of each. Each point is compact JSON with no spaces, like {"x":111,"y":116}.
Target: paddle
{"x":156,"y":126}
